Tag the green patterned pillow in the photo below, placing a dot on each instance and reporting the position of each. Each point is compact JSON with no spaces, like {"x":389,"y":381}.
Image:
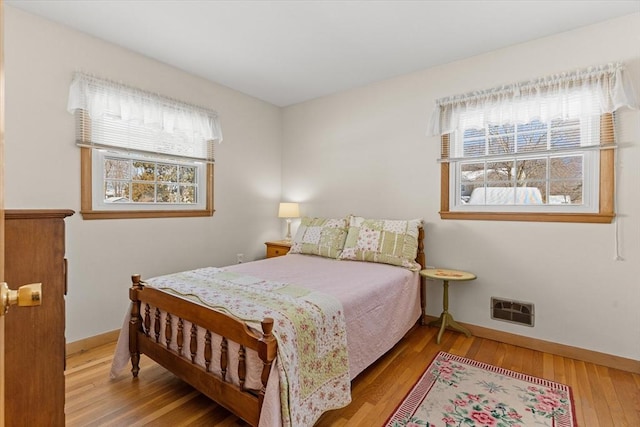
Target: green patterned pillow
{"x":320,"y":236}
{"x":384,"y":241}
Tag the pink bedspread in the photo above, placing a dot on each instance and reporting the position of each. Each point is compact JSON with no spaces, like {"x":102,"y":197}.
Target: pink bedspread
{"x":381,"y":303}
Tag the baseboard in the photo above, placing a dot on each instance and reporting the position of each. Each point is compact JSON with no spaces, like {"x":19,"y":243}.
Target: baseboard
{"x":608,"y":360}
{"x":92,"y":342}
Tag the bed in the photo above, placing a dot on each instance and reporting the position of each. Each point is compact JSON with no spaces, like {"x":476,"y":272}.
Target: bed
{"x":240,"y":355}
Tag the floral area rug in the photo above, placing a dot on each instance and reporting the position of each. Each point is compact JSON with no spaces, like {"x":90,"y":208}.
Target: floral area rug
{"x":456,"y":391}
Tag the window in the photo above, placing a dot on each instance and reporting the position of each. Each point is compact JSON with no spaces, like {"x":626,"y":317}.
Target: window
{"x":535,"y":165}
{"x":122,"y":180}
{"x":536,"y":151}
{"x":142,"y":155}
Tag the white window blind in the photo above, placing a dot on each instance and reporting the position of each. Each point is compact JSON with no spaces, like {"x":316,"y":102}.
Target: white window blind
{"x":112,"y":115}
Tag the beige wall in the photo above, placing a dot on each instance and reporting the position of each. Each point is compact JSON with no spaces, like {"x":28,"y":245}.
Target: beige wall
{"x":365,"y":152}
{"x":43,"y":169}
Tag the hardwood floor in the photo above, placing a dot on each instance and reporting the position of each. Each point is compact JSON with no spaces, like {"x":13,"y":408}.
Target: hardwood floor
{"x":602,"y":396}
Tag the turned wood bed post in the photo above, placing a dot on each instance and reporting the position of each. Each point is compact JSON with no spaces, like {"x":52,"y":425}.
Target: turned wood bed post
{"x":135,"y":325}
{"x":267,"y":350}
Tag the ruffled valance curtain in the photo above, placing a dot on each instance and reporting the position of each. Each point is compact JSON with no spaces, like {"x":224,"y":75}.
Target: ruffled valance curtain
{"x":589,"y":92}
{"x":179,"y":128}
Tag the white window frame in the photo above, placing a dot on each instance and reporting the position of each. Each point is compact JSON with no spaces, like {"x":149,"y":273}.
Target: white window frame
{"x":590,"y":175}
{"x":98,"y":182}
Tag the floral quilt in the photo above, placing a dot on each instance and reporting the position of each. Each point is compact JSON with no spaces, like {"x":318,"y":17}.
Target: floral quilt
{"x":308,"y":325}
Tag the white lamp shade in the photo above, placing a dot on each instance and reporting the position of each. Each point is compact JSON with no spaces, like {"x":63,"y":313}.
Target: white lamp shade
{"x":288,"y":210}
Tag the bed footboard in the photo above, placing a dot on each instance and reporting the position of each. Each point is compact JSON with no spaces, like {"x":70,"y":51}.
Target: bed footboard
{"x":168,"y":348}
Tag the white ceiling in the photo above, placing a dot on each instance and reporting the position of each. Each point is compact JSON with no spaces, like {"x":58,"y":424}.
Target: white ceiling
{"x":286,"y":52}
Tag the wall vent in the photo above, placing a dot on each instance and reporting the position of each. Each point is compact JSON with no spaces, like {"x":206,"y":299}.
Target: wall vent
{"x":512,"y":311}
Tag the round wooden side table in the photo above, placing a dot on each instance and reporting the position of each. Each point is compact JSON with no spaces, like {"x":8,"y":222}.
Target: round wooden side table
{"x":446,"y":319}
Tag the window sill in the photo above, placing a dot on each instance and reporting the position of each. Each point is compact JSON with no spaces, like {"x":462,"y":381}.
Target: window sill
{"x":144,"y":214}
{"x":599,"y":218}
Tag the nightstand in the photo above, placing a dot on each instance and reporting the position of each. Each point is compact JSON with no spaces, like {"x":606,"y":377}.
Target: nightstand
{"x":278,"y":248}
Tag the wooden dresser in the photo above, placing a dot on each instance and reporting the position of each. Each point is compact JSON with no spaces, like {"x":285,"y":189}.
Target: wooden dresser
{"x":278,"y":248}
{"x":34,"y":336}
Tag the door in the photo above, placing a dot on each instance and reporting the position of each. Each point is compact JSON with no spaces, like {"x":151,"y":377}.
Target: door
{"x":34,"y":336}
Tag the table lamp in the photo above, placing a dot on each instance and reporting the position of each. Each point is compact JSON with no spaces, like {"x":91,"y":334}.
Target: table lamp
{"x":288,"y":211}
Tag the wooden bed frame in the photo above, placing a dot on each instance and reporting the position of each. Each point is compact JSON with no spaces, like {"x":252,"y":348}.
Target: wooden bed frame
{"x":145,"y":338}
